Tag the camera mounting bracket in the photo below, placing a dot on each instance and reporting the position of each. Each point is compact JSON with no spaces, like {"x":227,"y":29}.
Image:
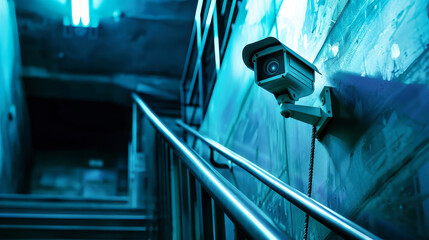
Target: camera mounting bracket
{"x":318,"y":116}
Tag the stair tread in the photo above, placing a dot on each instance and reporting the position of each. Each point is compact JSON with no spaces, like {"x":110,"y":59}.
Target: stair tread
{"x":75,"y":228}
{"x":73,"y":216}
{"x":73,"y":210}
{"x":60,"y":198}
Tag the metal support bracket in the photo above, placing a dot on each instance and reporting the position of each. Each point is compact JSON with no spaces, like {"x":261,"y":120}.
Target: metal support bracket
{"x":319,"y":116}
{"x":219,"y":165}
{"x":327,"y":115}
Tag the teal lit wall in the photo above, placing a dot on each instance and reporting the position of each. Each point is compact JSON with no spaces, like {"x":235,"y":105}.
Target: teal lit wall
{"x":14,"y":130}
{"x":372,"y":166}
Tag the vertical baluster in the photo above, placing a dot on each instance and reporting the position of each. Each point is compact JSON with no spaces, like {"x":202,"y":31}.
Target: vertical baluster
{"x":175,"y":196}
{"x":219,"y":222}
{"x":167,"y":190}
{"x":207,"y":216}
{"x":192,"y":204}
{"x":160,"y":207}
{"x":184,"y":210}
{"x":131,"y":159}
{"x":164,"y":183}
{"x":199,"y":211}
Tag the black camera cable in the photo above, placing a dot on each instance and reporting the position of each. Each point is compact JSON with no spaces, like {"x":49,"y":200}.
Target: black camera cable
{"x":310,"y":178}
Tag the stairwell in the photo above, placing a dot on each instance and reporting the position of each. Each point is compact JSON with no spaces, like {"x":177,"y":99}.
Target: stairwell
{"x":59,"y":217}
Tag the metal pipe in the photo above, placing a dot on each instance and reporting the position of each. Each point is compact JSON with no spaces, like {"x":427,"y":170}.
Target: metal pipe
{"x":238,"y":207}
{"x":329,"y":218}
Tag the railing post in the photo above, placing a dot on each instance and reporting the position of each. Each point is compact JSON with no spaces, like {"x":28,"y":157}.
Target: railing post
{"x":163,"y":226}
{"x":185,"y":211}
{"x":158,"y":154}
{"x":192,"y":203}
{"x":219,"y":222}
{"x":167,"y":189}
{"x":131,"y":159}
{"x":207,"y":216}
{"x":199,"y":211}
{"x":175,"y":197}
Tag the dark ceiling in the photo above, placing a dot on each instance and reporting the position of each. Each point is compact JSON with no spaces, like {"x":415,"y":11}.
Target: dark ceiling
{"x":141,"y":40}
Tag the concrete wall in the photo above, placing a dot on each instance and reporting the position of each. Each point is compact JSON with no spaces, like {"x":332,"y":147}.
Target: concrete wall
{"x":14,"y":131}
{"x":373,"y":164}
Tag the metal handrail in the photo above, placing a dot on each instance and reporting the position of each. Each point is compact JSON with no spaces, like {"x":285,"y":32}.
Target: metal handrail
{"x":326,"y":216}
{"x":235,"y":204}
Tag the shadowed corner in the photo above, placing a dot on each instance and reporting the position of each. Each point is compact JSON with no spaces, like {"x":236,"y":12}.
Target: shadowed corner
{"x":360,"y":102}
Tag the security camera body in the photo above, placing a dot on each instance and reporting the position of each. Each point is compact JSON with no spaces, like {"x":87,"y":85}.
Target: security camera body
{"x":289,"y":77}
{"x":279,"y":70}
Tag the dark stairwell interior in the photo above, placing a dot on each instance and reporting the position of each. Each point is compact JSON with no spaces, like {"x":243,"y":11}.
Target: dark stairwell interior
{"x":80,"y":147}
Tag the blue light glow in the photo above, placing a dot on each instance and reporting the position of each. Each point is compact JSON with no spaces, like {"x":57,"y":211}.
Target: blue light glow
{"x":76,"y":12}
{"x":80,"y":12}
{"x":84,"y":9}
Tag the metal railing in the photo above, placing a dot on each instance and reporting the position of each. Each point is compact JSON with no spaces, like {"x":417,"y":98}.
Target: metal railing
{"x":207,"y":46}
{"x":334,"y":221}
{"x":193,"y":197}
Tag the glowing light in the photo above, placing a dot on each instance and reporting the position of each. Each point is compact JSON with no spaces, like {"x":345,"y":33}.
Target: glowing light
{"x":84,"y":12}
{"x":80,"y":12}
{"x":76,"y":12}
{"x":216,"y":41}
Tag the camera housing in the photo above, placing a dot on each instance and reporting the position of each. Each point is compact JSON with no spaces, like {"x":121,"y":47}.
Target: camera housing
{"x":280,"y":70}
{"x":289,"y":77}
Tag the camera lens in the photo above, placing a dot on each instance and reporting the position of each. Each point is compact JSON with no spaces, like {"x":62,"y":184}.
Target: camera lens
{"x":272,"y":66}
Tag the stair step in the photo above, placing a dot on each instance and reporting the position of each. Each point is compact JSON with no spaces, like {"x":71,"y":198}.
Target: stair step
{"x":74,"y":228}
{"x":97,"y":211}
{"x":74,"y":232}
{"x":59,"y":217}
{"x":61,"y":198}
{"x":52,"y":201}
{"x":73,"y":219}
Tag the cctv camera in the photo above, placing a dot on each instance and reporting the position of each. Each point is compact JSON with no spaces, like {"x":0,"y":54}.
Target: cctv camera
{"x":289,"y":77}
{"x":280,"y":70}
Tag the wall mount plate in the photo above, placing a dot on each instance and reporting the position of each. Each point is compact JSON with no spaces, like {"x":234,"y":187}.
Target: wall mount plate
{"x":326,"y":110}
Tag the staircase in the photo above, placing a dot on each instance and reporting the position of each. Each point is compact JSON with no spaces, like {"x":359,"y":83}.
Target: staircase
{"x":191,"y":199}
{"x":44,"y":217}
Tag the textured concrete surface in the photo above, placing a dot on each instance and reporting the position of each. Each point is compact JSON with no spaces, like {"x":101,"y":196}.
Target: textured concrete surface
{"x":372,"y":164}
{"x":14,"y":128}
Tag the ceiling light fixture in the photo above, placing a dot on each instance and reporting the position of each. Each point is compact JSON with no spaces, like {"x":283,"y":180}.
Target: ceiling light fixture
{"x":80,"y":13}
